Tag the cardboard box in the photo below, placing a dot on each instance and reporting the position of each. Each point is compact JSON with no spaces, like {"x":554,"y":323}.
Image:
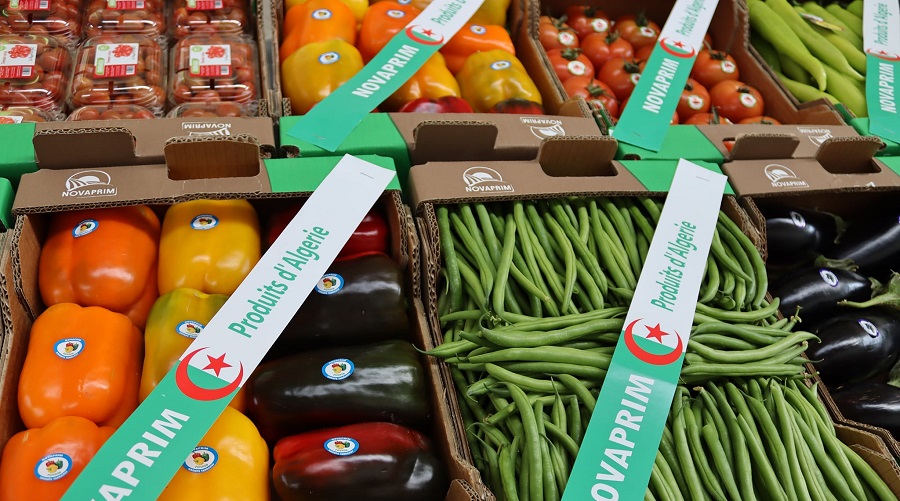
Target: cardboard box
{"x":891,"y":148}
{"x":217,"y":167}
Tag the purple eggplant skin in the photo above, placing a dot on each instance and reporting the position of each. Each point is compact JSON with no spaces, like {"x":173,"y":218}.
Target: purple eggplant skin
{"x":796,"y":236}
{"x":873,"y":245}
{"x":817,"y":290}
{"x":855,"y":345}
{"x":871,"y":403}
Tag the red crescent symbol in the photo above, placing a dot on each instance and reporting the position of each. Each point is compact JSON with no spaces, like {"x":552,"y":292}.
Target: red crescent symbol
{"x":422,"y":40}
{"x":650,"y":358}
{"x":665,"y":47}
{"x":886,"y":57}
{"x":184,"y":383}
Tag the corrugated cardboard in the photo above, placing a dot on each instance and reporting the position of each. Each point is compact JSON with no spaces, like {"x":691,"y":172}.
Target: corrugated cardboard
{"x":810,"y":137}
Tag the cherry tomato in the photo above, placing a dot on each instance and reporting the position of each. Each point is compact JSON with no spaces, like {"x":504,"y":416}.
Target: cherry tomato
{"x":736,"y":100}
{"x":555,"y":34}
{"x":707,"y":119}
{"x":569,"y":63}
{"x":595,"y":92}
{"x":712,"y":67}
{"x":586,"y":19}
{"x":694,"y":99}
{"x":600,"y":48}
{"x":621,"y":75}
{"x":638,"y":30}
{"x":644,"y":52}
{"x":762,"y":119}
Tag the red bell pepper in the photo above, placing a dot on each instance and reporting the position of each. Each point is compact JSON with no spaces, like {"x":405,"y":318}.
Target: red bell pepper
{"x":372,"y":235}
{"x":386,"y":461}
{"x":446,"y":104}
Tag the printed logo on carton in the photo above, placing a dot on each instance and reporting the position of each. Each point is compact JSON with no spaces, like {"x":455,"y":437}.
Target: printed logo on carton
{"x":783,"y":177}
{"x":90,"y":184}
{"x":542,"y":128}
{"x":207,"y":128}
{"x":484,"y":179}
{"x":816,"y":135}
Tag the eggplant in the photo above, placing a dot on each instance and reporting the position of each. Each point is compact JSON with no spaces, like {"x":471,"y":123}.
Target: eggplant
{"x":874,"y":404}
{"x":873,"y":245}
{"x":856,"y":345}
{"x":797,"y":236}
{"x":817,"y":291}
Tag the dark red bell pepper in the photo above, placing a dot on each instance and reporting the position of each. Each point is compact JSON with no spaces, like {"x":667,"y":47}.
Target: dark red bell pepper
{"x":371,"y":461}
{"x":372,"y":235}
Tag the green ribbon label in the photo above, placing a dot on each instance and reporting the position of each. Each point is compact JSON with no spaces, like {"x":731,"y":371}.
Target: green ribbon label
{"x":329,"y":123}
{"x":881,"y":37}
{"x":143,"y":455}
{"x":623,"y":436}
{"x":645,"y":120}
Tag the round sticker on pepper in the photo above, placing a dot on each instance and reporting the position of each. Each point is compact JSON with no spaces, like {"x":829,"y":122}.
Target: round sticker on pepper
{"x":53,"y":467}
{"x":201,"y":459}
{"x":500,"y":65}
{"x":338,"y":369}
{"x":330,"y":283}
{"x":189,"y":328}
{"x":329,"y":57}
{"x":341,"y":446}
{"x":69,"y":347}
{"x":83,"y":228}
{"x":204,"y":222}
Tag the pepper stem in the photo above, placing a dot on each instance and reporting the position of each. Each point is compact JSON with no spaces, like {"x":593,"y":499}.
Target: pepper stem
{"x":882,"y":295}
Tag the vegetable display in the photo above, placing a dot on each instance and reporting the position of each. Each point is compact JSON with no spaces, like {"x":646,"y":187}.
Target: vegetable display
{"x":59,"y":19}
{"x":125,"y":17}
{"x":41,"y":84}
{"x":222,"y":17}
{"x":215,"y":68}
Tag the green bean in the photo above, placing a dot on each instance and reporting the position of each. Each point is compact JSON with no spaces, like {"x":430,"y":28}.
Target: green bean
{"x":546,"y":266}
{"x":472,"y":282}
{"x":617,"y":260}
{"x":558,"y":413}
{"x":742,"y":459}
{"x":583,"y":371}
{"x":718,"y":341}
{"x":561,"y":467}
{"x":629,"y":239}
{"x":549,"y":479}
{"x":568,"y":257}
{"x":667,"y":476}
{"x":870,"y":476}
{"x":545,"y":354}
{"x":640,"y":220}
{"x":525,"y":478}
{"x":741,"y":370}
{"x":527,"y":383}
{"x":743,"y":260}
{"x":584,"y":223}
{"x":786,"y":432}
{"x":739,"y":317}
{"x":485,"y":265}
{"x":505,"y":411}
{"x":830,"y":470}
{"x":468,"y":219}
{"x":771,"y":437}
{"x":707,"y":475}
{"x":502,"y":274}
{"x":493,"y":433}
{"x":658,"y":485}
{"x":761,"y":277}
{"x":573,"y":420}
{"x":720,"y":460}
{"x":579,"y":389}
{"x":695,"y":488}
{"x":721,"y":253}
{"x":542,"y":234}
{"x":667,"y":450}
{"x":755,"y":355}
{"x":513,"y":339}
{"x":813,"y":400}
{"x":450,"y":260}
{"x":833,"y":447}
{"x":812,"y":476}
{"x":709,"y":406}
{"x":532,"y":442}
{"x":564,"y":440}
{"x":711,"y":281}
{"x":759,"y":458}
{"x":522,"y":228}
{"x":566,"y":320}
{"x":508,"y":470}
{"x":588,"y":260}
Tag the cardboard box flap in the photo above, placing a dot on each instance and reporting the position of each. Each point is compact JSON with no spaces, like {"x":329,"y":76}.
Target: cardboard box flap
{"x":455,"y":141}
{"x":98,"y":147}
{"x":577,"y":156}
{"x":849,"y":155}
{"x":211,"y":157}
{"x":755,"y":146}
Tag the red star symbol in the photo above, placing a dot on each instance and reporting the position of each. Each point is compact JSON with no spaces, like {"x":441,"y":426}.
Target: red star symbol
{"x":882,"y":52}
{"x":216,"y":363}
{"x":655,"y":332}
{"x":429,"y":32}
{"x":679,"y":44}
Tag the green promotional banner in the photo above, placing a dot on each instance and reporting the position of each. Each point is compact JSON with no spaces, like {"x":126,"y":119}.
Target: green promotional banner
{"x":143,"y":455}
{"x":620,"y":443}
{"x":328,"y":123}
{"x":646,"y":119}
{"x":881,"y":36}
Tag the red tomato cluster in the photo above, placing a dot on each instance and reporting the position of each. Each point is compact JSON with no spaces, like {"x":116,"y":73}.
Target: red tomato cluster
{"x":104,"y":18}
{"x":210,"y":17}
{"x":42,"y":85}
{"x":139,"y":79}
{"x":601,"y":59}
{"x":233,"y":80}
{"x":60,"y":19}
{"x":208,"y":110}
{"x":112,"y":112}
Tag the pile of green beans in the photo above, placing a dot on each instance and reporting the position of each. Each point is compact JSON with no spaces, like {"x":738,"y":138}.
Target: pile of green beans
{"x":532,"y":306}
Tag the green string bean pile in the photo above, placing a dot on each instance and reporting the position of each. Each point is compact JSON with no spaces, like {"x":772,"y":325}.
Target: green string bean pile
{"x":532,"y":303}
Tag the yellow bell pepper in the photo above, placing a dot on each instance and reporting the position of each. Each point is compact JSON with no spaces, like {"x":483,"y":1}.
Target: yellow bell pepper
{"x":432,"y":80}
{"x":231,"y":462}
{"x":314,"y":71}
{"x":490,"y":77}
{"x":175,"y":320}
{"x":358,"y":7}
{"x":490,"y":12}
{"x":208,"y":245}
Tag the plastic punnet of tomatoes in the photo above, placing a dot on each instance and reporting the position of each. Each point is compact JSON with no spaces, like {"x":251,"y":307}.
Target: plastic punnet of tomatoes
{"x":60,"y":19}
{"x":126,"y":17}
{"x":209,"y":17}
{"x":208,"y":110}
{"x":111,"y":112}
{"x":33,"y":71}
{"x":208,"y":69}
{"x":19,"y":114}
{"x":119,"y":69}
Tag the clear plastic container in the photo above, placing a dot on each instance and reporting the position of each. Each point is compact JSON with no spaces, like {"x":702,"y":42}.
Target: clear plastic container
{"x":209,"y":17}
{"x":111,"y":112}
{"x":19,"y":114}
{"x":209,"y":110}
{"x":208,"y":69}
{"x":60,"y":19}
{"x":121,"y":69}
{"x":33,"y":72}
{"x":126,"y":17}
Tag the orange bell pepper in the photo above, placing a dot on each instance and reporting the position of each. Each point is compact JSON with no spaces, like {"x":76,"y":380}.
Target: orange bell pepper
{"x":382,"y":21}
{"x":102,"y":257}
{"x":432,"y":80}
{"x":317,"y":21}
{"x":42,"y":463}
{"x":357,"y":6}
{"x":81,"y":361}
{"x":474,"y":38}
{"x":490,"y":12}
{"x":312,"y":73}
